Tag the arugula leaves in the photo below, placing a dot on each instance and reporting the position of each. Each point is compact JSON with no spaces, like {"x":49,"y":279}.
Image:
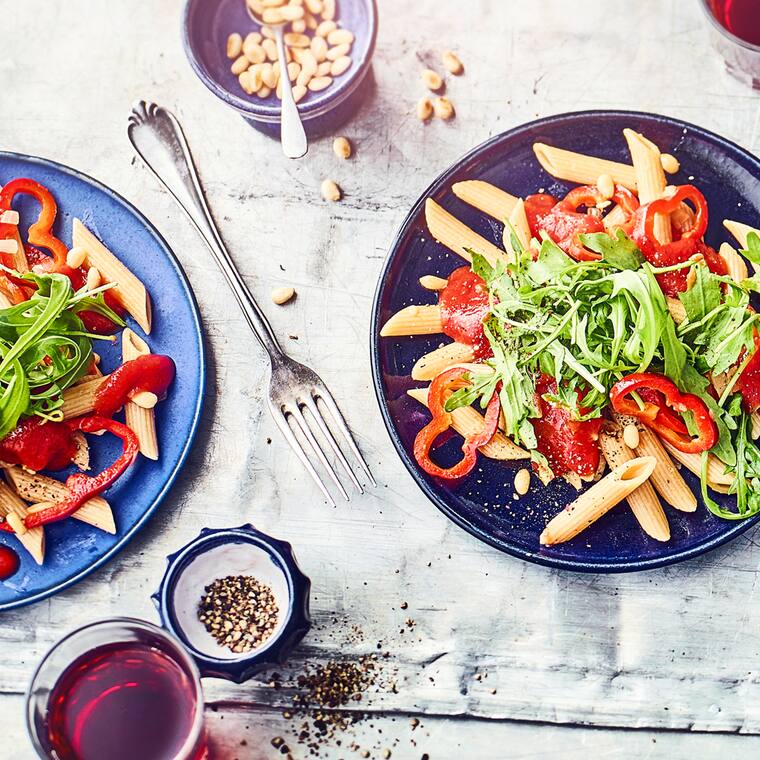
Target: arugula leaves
{"x":620,"y":252}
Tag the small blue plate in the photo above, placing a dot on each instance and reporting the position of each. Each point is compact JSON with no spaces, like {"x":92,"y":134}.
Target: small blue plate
{"x":74,"y":549}
{"x":483,"y":503}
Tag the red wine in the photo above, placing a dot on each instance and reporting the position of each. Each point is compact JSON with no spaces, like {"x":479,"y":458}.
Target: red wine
{"x":740,"y":17}
{"x":121,"y":702}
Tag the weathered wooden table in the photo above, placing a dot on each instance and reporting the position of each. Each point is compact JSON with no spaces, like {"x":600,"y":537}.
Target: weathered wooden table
{"x":663,"y":663}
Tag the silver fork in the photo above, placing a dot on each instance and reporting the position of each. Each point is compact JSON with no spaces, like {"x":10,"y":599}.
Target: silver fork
{"x":295,"y":391}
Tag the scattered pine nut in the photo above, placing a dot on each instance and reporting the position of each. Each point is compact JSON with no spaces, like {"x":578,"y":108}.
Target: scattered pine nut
{"x":670,"y":164}
{"x":297,"y":40}
{"x":340,"y":66}
{"x":443,"y":109}
{"x":93,"y":278}
{"x":319,"y":48}
{"x":299,"y":91}
{"x":431,"y":282}
{"x":144,"y":399}
{"x":631,"y":436}
{"x":324,"y":69}
{"x":244,"y":79}
{"x":254,"y":53}
{"x":342,"y":147}
{"x":606,"y":186}
{"x":268,"y":77}
{"x":452,"y":63}
{"x":75,"y":257}
{"x":293,"y":71}
{"x":339,"y":51}
{"x":424,"y":109}
{"x":330,"y":190}
{"x":432,"y":80}
{"x":522,"y":481}
{"x":16,"y":523}
{"x":281,"y":296}
{"x":328,"y":9}
{"x":320,"y":83}
{"x":234,"y":45}
{"x":325,"y":28}
{"x":270,"y":49}
{"x":314,"y":6}
{"x":239,"y":65}
{"x":340,"y":37}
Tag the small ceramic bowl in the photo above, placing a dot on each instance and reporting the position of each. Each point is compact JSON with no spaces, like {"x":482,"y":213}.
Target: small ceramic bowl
{"x":205,"y":28}
{"x":220,"y":553}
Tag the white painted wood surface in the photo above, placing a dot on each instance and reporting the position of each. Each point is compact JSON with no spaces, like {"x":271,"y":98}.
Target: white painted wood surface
{"x":660,"y":664}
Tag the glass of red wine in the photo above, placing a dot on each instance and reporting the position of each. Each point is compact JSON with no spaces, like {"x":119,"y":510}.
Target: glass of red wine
{"x":735,"y":32}
{"x":119,"y":689}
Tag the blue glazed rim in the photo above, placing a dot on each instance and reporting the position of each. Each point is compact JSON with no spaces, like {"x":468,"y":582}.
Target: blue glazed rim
{"x":276,"y":650}
{"x":377,"y":375}
{"x":310,"y":109}
{"x":127,"y":537}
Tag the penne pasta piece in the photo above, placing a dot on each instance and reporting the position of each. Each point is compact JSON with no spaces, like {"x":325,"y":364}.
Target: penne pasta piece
{"x":586,"y":170}
{"x":666,"y":479}
{"x":597,"y":501}
{"x":717,"y":478}
{"x":80,"y":399}
{"x":414,"y":320}
{"x":518,"y":219}
{"x":676,"y":309}
{"x":431,"y":365}
{"x":650,"y":178}
{"x":485,"y":197}
{"x":643,"y":501}
{"x":82,"y":456}
{"x":468,"y":421}
{"x":20,"y":264}
{"x":739,"y":230}
{"x":457,"y":236}
{"x":33,"y":540}
{"x":129,"y":290}
{"x":683,"y":217}
{"x":756,"y":424}
{"x":614,"y":218}
{"x":43,"y":490}
{"x":431,"y":282}
{"x":735,"y":264}
{"x":140,"y":419}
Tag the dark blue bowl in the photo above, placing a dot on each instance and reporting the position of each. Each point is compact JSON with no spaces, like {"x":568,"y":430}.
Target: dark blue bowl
{"x":483,"y":503}
{"x":205,"y":28}
{"x":216,"y":553}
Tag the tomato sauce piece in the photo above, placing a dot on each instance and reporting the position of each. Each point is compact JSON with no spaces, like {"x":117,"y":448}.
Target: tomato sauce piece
{"x":536,"y":208}
{"x":152,"y":372}
{"x":9,"y":563}
{"x":748,"y":383}
{"x":39,"y":445}
{"x":568,"y":445}
{"x":464,"y":305}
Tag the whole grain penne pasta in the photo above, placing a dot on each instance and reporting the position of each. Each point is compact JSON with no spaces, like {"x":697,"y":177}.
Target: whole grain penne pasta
{"x":597,"y":501}
{"x":80,"y":399}
{"x":43,"y":490}
{"x":650,"y":178}
{"x":586,"y":170}
{"x":33,"y":540}
{"x":414,"y":320}
{"x":468,"y":422}
{"x":433,"y":282}
{"x":432,"y":364}
{"x":82,"y":454}
{"x":485,"y":197}
{"x":717,"y":478}
{"x":666,"y":479}
{"x":457,"y":236}
{"x":518,"y":220}
{"x":129,"y":289}
{"x":141,"y":420}
{"x":643,"y":501}
{"x":735,"y":264}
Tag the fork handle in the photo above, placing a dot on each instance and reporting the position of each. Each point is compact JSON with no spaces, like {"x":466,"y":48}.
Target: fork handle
{"x":158,"y":138}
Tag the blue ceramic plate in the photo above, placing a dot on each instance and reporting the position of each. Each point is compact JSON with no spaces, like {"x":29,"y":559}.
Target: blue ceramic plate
{"x":74,"y":549}
{"x":484,"y":504}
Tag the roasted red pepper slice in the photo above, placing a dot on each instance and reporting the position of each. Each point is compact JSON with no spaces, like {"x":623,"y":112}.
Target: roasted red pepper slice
{"x":40,"y":233}
{"x":151,"y":372}
{"x":450,"y":380}
{"x":658,"y":416}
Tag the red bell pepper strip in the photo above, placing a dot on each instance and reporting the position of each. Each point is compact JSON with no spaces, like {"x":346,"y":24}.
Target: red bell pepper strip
{"x":83,"y":487}
{"x":449,"y":380}
{"x":658,"y":416}
{"x":40,"y":233}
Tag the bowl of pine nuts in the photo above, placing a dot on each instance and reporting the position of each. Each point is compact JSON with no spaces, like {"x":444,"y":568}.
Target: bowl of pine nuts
{"x":329,"y":46}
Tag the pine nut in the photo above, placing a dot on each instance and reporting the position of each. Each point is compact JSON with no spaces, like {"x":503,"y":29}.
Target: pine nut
{"x":330,"y":190}
{"x":264,"y":92}
{"x":340,"y":66}
{"x":443,"y":109}
{"x":282,"y":295}
{"x":75,"y":257}
{"x":320,"y":83}
{"x":268,"y":76}
{"x":240,"y":65}
{"x":328,"y":9}
{"x":308,"y":67}
{"x":522,"y":481}
{"x":323,"y":69}
{"x":670,"y":164}
{"x":298,"y":92}
{"x":314,"y":6}
{"x":298,"y":26}
{"x":272,"y":16}
{"x":432,"y":80}
{"x":234,"y":45}
{"x":267,"y":32}
{"x":424,"y":109}
{"x":251,"y":38}
{"x":452,"y":63}
{"x":144,"y":399}
{"x":93,"y":278}
{"x":297,"y":40}
{"x":292,"y":12}
{"x":606,"y":186}
{"x":272,"y":3}
{"x":276,"y":72}
{"x":254,"y":53}
{"x":244,"y":79}
{"x":319,"y":48}
{"x":311,"y":22}
{"x":270,"y":49}
{"x":339,"y":51}
{"x":278,"y":89}
{"x":293,"y":71}
{"x":431,"y":282}
{"x":16,"y":523}
{"x":342,"y":147}
{"x":254,"y":77}
{"x":325,"y":28}
{"x":340,"y":37}
{"x":631,"y":436}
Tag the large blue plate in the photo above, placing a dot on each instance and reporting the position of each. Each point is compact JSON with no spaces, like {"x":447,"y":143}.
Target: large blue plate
{"x":484,"y":504}
{"x":73,"y":549}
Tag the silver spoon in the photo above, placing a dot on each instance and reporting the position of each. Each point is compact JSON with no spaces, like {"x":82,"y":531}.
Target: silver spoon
{"x":292,"y":134}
